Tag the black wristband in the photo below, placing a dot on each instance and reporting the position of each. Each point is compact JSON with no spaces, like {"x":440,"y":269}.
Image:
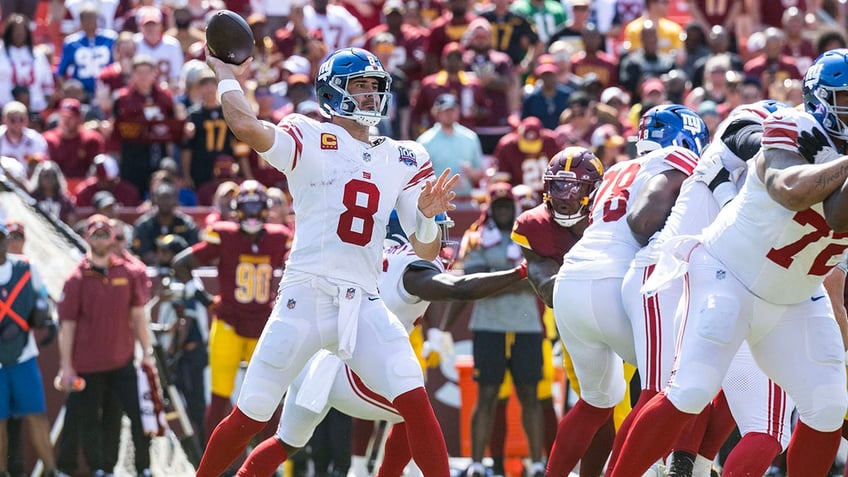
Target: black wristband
{"x":720,"y":178}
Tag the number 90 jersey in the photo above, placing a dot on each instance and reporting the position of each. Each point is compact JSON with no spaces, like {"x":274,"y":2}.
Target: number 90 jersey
{"x":782,"y":256}
{"x":245,"y":271}
{"x":608,"y":245}
{"x":343,"y":193}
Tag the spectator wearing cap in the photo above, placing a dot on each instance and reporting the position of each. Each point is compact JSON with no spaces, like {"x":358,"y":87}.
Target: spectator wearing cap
{"x":339,"y":27}
{"x":669,"y":33}
{"x":452,"y":145}
{"x":115,"y":75}
{"x":225,"y":170}
{"x":547,"y":15}
{"x":48,"y":187}
{"x":494,"y":71}
{"x":142,"y":101}
{"x":592,"y":59}
{"x":86,"y":52}
{"x":163,"y":219}
{"x":72,"y":145}
{"x":577,"y":122}
{"x":617,"y":98}
{"x":25,"y":65}
{"x":106,"y":176}
{"x":101,"y":317}
{"x":571,"y":32}
{"x":549,"y":97}
{"x":608,"y":145}
{"x":448,"y":28}
{"x":646,"y":61}
{"x":207,"y":135}
{"x":523,"y":155}
{"x":652,"y":93}
{"x":453,"y":80}
{"x":772,"y":65}
{"x":506,"y":329}
{"x":165,"y":50}
{"x":407,"y":53}
{"x":17,"y":140}
{"x":514,"y":35}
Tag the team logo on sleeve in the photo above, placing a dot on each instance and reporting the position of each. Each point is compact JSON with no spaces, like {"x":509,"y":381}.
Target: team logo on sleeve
{"x":349,"y":294}
{"x":291,"y":304}
{"x":406,"y":156}
{"x":329,"y":141}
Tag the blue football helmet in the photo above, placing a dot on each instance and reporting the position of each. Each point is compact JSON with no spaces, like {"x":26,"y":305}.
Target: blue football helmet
{"x":334,"y":75}
{"x":825,"y":77}
{"x":672,"y":125}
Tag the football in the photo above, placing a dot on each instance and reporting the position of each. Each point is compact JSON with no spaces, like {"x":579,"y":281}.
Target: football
{"x":229,"y":37}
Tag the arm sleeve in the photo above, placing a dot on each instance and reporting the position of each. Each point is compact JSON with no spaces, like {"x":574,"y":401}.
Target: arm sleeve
{"x":743,"y":140}
{"x":287,"y":148}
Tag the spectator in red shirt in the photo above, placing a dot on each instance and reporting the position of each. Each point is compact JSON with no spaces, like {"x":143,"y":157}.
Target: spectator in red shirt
{"x":447,"y":28}
{"x":408,"y":53}
{"x":72,"y":145}
{"x":116,"y":75}
{"x":593,"y":59}
{"x":50,"y":191}
{"x":225,"y":169}
{"x":106,"y":177}
{"x":523,"y":155}
{"x":772,"y":65}
{"x":102,"y":317}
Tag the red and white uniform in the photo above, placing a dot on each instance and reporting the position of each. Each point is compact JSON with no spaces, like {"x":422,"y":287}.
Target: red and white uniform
{"x":758,"y":277}
{"x":591,"y":320}
{"x":344,"y":191}
{"x":348,"y":393}
{"x":340,"y":28}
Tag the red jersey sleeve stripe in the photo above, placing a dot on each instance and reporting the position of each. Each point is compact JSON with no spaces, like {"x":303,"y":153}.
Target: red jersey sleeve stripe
{"x":780,"y":133}
{"x":684,"y":161}
{"x":295,"y":133}
{"x":423,"y":174}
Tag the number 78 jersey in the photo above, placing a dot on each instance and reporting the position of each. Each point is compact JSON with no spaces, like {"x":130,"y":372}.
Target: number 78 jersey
{"x":780,"y":255}
{"x":608,"y":245}
{"x":343,"y":193}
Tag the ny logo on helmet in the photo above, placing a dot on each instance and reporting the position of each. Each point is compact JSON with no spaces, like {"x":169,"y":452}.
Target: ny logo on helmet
{"x":324,"y":71}
{"x":691,"y":123}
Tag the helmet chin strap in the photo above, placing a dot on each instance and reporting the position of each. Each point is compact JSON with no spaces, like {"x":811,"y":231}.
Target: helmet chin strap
{"x":251,"y":226}
{"x":567,"y":220}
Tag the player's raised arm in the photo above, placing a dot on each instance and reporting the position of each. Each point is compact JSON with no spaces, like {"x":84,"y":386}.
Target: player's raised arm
{"x":435,"y":198}
{"x":238,"y":113}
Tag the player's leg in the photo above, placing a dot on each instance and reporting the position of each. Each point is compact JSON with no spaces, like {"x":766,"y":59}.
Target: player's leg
{"x":497,"y":436}
{"x":801,"y":349}
{"x":291,"y":336}
{"x":526,"y":366}
{"x":490,"y":365}
{"x":594,"y":328}
{"x":361,"y":435}
{"x":387,"y":364}
{"x":224,"y":361}
{"x":711,"y":331}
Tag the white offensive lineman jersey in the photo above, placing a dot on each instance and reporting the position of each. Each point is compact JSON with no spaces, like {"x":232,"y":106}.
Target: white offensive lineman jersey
{"x":780,"y":255}
{"x":608,"y":245}
{"x":344,"y":191}
{"x":406,"y":306}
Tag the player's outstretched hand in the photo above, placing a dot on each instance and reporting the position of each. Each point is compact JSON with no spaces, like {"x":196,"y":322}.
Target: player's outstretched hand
{"x":436,"y":196}
{"x":711,"y":171}
{"x":225,"y":70}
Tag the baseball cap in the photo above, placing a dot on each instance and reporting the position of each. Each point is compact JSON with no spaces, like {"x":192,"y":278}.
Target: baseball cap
{"x":106,"y":167}
{"x":652,"y":85}
{"x":204,"y":75}
{"x":452,"y":47}
{"x":298,"y":78}
{"x":606,"y":136}
{"x":297,"y":65}
{"x":103,"y":199}
{"x":70,"y":106}
{"x":530,"y":135}
{"x":614,"y":92}
{"x":97,"y":222}
{"x":394,"y":6}
{"x":545,"y":64}
{"x":172,"y":242}
{"x":500,"y":190}
{"x":445,"y":101}
{"x":580,"y":3}
{"x":14,"y":226}
{"x":148,"y":14}
{"x":14,"y":107}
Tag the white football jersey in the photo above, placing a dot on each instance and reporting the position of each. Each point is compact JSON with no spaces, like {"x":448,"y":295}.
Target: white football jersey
{"x":780,"y":255}
{"x":608,"y":245}
{"x":406,"y":306}
{"x":338,"y":26}
{"x":343,"y":193}
{"x":167,"y":54}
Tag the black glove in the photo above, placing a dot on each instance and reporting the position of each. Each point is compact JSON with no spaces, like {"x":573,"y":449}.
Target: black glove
{"x":50,"y":328}
{"x":811,"y":144}
{"x":205,"y":298}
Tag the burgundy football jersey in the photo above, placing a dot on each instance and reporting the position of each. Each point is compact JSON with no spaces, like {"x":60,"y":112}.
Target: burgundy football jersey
{"x":535,"y":229}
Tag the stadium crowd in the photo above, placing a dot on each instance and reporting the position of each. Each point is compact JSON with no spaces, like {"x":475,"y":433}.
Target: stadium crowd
{"x":112,"y":122}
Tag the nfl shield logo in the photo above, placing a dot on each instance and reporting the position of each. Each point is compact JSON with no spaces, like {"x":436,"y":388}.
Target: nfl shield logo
{"x":366,"y":157}
{"x":720,"y":274}
{"x":290,"y":304}
{"x":350,"y":293}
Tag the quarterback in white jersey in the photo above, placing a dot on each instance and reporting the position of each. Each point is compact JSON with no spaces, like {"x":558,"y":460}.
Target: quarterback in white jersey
{"x":407,"y":285}
{"x":589,"y":313}
{"x":758,"y":276}
{"x":757,"y":404}
{"x":344,"y":186}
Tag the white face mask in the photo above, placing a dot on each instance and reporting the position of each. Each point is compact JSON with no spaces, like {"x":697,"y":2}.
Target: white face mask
{"x":251,"y":225}
{"x":568,"y":220}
